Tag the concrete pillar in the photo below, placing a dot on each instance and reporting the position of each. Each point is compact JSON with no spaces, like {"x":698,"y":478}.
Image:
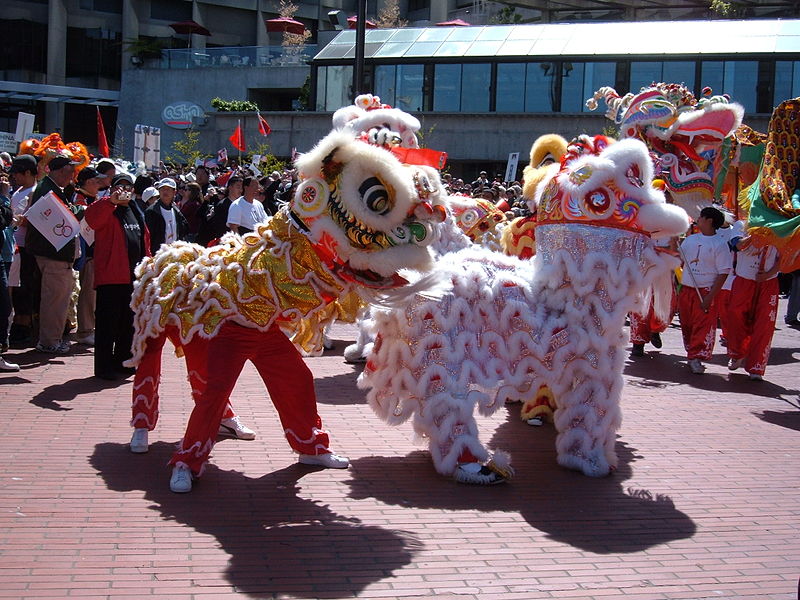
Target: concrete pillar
{"x":56,"y":61}
{"x":198,"y":16}
{"x":439,"y":11}
{"x":262,"y":37}
{"x":130,"y":29}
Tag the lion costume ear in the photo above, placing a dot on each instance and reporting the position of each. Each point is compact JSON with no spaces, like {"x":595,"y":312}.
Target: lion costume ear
{"x":546,"y":150}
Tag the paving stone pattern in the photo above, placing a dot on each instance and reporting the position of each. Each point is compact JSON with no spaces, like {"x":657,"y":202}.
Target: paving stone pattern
{"x":705,"y":503}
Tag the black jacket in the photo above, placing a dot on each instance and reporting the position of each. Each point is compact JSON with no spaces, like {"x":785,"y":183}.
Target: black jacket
{"x":157,"y":226}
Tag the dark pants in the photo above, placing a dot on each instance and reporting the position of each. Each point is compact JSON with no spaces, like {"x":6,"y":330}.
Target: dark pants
{"x":26,"y":298}
{"x":5,"y":302}
{"x":113,"y":327}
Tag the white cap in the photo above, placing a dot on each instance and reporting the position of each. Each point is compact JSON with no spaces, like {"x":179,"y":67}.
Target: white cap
{"x":168,"y":182}
{"x":148,"y":194}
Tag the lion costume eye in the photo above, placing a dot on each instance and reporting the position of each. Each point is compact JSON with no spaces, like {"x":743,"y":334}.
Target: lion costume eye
{"x":375,"y":196}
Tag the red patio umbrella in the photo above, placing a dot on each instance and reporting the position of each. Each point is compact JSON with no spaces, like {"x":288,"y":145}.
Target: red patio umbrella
{"x":352,"y":23}
{"x":285,"y":24}
{"x":453,"y":23}
{"x":190,"y":28}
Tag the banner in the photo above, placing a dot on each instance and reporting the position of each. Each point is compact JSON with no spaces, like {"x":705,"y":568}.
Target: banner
{"x":50,"y":216}
{"x":511,"y":167}
{"x":147,"y":146}
{"x":24,"y":126}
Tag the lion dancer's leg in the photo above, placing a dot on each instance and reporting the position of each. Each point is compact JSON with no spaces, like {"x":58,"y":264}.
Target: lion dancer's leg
{"x":588,"y":418}
{"x":449,"y":424}
{"x":146,"y":383}
{"x":291,"y":388}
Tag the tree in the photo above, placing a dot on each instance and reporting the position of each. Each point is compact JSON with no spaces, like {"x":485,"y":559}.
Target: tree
{"x":186,"y":150}
{"x":389,"y":16}
{"x":506,"y":16}
{"x":287,"y":10}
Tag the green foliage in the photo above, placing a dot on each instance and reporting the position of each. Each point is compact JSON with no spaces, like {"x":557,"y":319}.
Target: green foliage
{"x":187,"y":150}
{"x":726,"y":9}
{"x":145,"y":47}
{"x":610,"y":131}
{"x":506,"y":16}
{"x":422,"y":135}
{"x":269,"y":162}
{"x":305,"y":94}
{"x":234,"y":105}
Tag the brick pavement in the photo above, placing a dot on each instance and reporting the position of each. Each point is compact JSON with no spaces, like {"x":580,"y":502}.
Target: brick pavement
{"x":705,"y":504}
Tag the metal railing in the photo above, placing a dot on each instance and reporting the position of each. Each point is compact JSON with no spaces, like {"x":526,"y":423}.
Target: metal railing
{"x":237,"y":56}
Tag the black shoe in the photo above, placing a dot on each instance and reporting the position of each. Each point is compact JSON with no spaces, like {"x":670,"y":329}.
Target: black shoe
{"x":655,"y":339}
{"x":637,"y":350}
{"x":127,"y":371}
{"x":792,"y":322}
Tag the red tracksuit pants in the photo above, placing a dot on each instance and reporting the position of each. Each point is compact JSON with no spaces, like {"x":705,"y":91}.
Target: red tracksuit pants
{"x":288,"y":380}
{"x":753,"y":308}
{"x":148,"y":377}
{"x":643,"y":327}
{"x":698,"y":328}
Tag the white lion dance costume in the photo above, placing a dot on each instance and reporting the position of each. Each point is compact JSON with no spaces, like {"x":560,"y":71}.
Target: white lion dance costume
{"x":509,"y":326}
{"x":365,"y":209}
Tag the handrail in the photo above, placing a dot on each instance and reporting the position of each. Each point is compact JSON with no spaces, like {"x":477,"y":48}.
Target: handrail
{"x":236,"y":57}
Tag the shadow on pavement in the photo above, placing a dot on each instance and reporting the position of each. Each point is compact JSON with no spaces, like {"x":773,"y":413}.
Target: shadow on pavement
{"x":661,"y":370}
{"x":596,"y":515}
{"x":789,"y":419}
{"x":279,"y":544}
{"x":53,"y":396}
{"x":339,"y":389}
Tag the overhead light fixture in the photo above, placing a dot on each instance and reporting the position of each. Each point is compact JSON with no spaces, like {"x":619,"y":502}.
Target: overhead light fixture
{"x":337,"y":19}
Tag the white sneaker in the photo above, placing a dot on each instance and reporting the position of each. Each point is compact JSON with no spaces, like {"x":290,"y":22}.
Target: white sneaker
{"x":535,"y":421}
{"x":181,"y":480}
{"x":697,"y":367}
{"x":233,"y":427}
{"x":7,"y":366}
{"x":329,"y":461}
{"x":139,"y":444}
{"x":735,"y":363}
{"x":87,"y":340}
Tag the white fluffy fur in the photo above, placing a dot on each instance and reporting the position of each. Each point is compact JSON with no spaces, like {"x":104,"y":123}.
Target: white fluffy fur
{"x":510,"y":325}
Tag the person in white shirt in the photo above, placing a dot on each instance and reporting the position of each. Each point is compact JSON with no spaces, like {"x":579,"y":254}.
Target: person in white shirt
{"x":753,"y":307}
{"x":164,"y":220}
{"x":246,"y":212}
{"x":707,"y":262}
{"x":727,"y":233}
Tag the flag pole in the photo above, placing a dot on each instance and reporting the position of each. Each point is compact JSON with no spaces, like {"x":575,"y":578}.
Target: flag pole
{"x":239,"y":145}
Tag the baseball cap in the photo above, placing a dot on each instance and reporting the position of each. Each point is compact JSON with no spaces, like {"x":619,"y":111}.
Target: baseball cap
{"x":23,"y":162}
{"x":122,"y":178}
{"x":149,"y":193}
{"x":61,"y":161}
{"x":167,"y":181}
{"x":89,"y":173}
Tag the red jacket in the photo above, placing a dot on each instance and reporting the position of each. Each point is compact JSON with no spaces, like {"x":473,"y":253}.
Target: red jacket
{"x":111,"y":265}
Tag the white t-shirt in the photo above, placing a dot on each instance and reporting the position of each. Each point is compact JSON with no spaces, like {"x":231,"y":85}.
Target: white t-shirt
{"x":707,"y":256}
{"x":20,"y":201}
{"x":246,"y":214}
{"x":749,"y":262}
{"x":735,"y":230}
{"x":170,"y":227}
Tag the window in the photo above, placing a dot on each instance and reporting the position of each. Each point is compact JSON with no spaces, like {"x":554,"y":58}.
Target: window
{"x":385,"y":83}
{"x":737,"y":78}
{"x":93,"y":52}
{"x":171,"y":10}
{"x":787,"y":80}
{"x":510,"y":96}
{"x":107,"y":6}
{"x":409,"y":88}
{"x":333,"y":87}
{"x":447,"y":88}
{"x":476,"y":84}
{"x":645,"y":73}
{"x":540,"y":87}
{"x":580,"y":80}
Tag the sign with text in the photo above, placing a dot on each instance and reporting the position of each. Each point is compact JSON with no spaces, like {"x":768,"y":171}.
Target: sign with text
{"x":179,"y":115}
{"x":53,"y":220}
{"x":24,"y":126}
{"x":8,"y":142}
{"x":511,"y":166}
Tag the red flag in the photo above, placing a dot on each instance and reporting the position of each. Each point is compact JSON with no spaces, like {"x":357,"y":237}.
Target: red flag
{"x":237,"y":139}
{"x":263,"y":127}
{"x":102,"y":142}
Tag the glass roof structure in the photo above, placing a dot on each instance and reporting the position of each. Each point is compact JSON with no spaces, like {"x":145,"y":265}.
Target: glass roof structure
{"x":653,"y":38}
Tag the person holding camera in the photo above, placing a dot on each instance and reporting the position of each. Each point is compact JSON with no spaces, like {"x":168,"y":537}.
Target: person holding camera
{"x":121,"y":241}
